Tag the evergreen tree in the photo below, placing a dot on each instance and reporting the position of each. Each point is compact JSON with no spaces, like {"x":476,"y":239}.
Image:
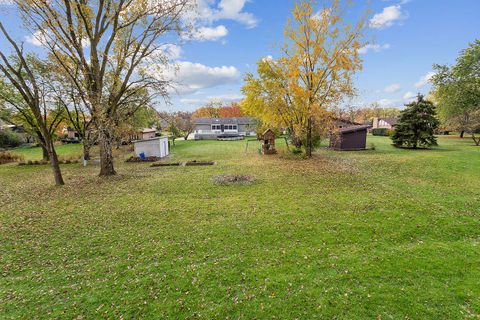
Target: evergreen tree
{"x":416,"y":125}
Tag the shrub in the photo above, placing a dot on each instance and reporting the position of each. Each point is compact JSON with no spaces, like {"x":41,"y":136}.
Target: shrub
{"x":9,"y":139}
{"x":297,"y":151}
{"x":7,"y":157}
{"x":384,"y":132}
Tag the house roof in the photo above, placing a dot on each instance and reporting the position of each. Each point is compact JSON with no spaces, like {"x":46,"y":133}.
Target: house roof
{"x":241,"y":120}
{"x":148,"y":130}
{"x":390,"y":121}
{"x":354,"y":128}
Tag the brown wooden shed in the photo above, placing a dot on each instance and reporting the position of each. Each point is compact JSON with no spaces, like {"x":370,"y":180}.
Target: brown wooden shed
{"x":350,"y":138}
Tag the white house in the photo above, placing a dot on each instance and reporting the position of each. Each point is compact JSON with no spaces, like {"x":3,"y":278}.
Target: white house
{"x":154,"y":147}
{"x":215,"y":128}
{"x":387,"y":123}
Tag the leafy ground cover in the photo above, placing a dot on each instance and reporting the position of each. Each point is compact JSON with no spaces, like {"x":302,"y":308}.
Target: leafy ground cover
{"x":386,"y":233}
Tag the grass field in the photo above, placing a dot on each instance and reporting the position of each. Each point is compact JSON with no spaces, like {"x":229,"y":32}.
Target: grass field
{"x":380,"y":234}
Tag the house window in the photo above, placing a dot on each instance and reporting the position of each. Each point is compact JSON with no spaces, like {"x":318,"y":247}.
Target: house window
{"x":216,"y":127}
{"x":231,"y":127}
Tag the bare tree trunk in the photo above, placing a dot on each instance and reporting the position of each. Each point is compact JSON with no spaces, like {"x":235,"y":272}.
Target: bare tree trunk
{"x":55,"y":164}
{"x":297,"y":142}
{"x":46,"y":156}
{"x":86,"y":149}
{"x":309,"y":142}
{"x":106,"y":155}
{"x":462,"y":133}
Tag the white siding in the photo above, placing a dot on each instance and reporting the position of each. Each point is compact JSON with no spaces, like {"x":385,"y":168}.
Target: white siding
{"x":157,"y":147}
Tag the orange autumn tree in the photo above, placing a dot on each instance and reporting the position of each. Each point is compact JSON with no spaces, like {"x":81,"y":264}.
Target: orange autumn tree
{"x":210,"y":110}
{"x":313,"y":76}
{"x":231,"y":111}
{"x":216,"y":109}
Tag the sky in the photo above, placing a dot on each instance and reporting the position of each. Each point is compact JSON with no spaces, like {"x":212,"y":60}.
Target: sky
{"x":406,"y":37}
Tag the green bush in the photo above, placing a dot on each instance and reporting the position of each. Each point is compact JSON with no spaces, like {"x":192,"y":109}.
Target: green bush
{"x":297,"y":151}
{"x":9,"y":139}
{"x":382,"y":132}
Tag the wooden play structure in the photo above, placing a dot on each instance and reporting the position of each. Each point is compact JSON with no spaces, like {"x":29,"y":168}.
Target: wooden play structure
{"x":268,"y":142}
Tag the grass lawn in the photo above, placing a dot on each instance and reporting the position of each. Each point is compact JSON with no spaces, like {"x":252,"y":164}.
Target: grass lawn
{"x":383,"y":234}
{"x":65,"y":150}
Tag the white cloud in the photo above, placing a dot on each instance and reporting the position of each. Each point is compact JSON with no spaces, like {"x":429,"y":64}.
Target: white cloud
{"x":226,"y":97}
{"x":172,"y":51}
{"x":208,"y":34}
{"x":39,"y":39}
{"x":322,"y":14}
{"x":373,"y":47}
{"x":409,"y":96}
{"x":388,"y":103}
{"x":424,"y":80}
{"x":192,"y":102}
{"x":267,"y":58}
{"x":36,"y":39}
{"x":395,"y":87}
{"x":190,"y":77}
{"x":225,"y":10}
{"x":387,"y":17}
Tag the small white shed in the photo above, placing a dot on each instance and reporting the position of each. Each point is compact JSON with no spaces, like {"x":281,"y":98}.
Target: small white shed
{"x":155,"y":147}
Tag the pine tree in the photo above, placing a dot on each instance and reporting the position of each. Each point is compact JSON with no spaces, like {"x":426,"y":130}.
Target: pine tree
{"x":416,"y":125}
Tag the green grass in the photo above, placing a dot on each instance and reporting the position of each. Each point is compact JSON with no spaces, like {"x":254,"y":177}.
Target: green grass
{"x":383,"y":234}
{"x":64,"y":150}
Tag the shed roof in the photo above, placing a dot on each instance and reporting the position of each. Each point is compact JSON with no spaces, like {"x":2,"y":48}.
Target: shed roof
{"x":151,"y":139}
{"x":354,"y":128}
{"x":240,"y":120}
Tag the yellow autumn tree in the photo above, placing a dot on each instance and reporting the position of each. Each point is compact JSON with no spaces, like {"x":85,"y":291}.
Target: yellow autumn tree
{"x":313,"y":76}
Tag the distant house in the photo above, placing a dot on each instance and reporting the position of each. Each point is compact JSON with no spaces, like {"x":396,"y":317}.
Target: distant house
{"x":350,"y":138}
{"x":217,"y":128}
{"x":19,"y":130}
{"x":72,"y":133}
{"x":387,"y":123}
{"x":144,"y":134}
{"x":147,"y":133}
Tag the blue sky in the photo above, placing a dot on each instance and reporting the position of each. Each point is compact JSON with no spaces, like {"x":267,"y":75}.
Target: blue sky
{"x":407,"y":37}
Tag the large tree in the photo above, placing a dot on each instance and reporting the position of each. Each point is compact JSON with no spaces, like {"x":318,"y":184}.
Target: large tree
{"x":28,"y":96}
{"x":416,"y":126}
{"x":21,"y":114}
{"x":315,"y":72}
{"x":110,"y":49}
{"x":456,"y":91}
